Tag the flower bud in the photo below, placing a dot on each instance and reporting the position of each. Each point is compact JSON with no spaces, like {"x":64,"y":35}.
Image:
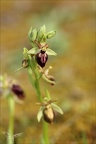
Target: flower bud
{"x":25,"y":50}
{"x":41,"y":33}
{"x":51,"y":34}
{"x":32,"y":34}
{"x":25,"y":63}
{"x":43,"y":40}
{"x":48,"y":114}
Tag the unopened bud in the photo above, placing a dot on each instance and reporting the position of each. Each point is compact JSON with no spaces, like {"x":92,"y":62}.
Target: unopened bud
{"x":25,"y":50}
{"x":43,"y":40}
{"x":25,"y":63}
{"x":51,"y":34}
{"x":32,"y":34}
{"x":41,"y":33}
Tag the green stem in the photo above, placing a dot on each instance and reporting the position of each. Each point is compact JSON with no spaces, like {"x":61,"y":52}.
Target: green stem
{"x":45,"y":133}
{"x":37,"y":87}
{"x":38,"y":91}
{"x":11,"y":104}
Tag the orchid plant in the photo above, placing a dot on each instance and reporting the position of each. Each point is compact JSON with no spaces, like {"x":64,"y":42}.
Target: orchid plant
{"x":35,"y":60}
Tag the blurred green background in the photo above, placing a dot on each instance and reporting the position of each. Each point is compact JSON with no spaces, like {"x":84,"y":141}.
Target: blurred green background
{"x":73,"y":68}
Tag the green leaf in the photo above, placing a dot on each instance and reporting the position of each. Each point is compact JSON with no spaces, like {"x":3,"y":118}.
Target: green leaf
{"x":40,"y":114}
{"x":50,"y":52}
{"x":33,"y":50}
{"x":57,"y":108}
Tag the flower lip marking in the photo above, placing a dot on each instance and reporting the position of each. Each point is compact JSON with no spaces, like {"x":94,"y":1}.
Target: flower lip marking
{"x":41,"y":58}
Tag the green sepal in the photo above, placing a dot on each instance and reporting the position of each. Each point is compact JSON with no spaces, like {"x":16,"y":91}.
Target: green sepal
{"x":50,"y":34}
{"x":33,"y":50}
{"x":57,"y":108}
{"x":50,"y":52}
{"x":40,"y":114}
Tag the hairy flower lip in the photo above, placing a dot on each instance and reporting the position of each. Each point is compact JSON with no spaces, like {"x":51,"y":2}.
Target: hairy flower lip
{"x":41,"y":58}
{"x":48,"y":114}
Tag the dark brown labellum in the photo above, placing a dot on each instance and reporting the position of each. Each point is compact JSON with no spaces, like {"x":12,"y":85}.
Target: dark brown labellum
{"x":41,"y":58}
{"x":48,"y":114}
{"x":17,"y":90}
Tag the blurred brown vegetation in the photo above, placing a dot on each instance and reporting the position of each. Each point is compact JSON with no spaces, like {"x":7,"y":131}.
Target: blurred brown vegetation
{"x":73,"y":68}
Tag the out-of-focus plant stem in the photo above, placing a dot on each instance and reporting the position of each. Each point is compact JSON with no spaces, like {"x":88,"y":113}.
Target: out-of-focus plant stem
{"x":11,"y":104}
